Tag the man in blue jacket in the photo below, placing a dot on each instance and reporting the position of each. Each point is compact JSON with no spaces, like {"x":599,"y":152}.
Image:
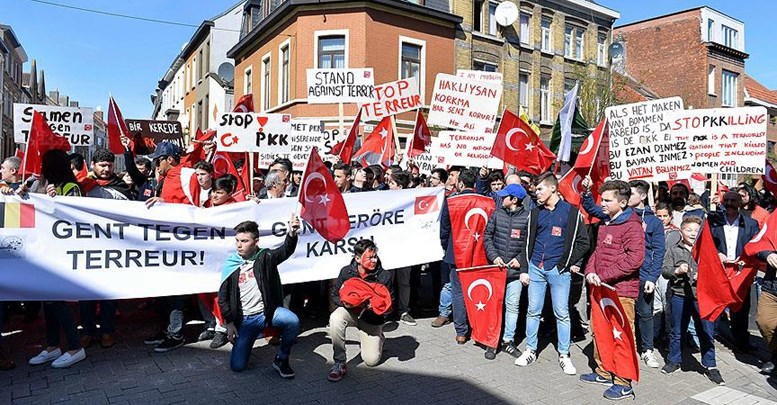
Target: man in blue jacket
{"x":655,"y":248}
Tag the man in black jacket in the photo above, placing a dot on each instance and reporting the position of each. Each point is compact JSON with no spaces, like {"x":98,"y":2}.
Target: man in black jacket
{"x":251,"y":296}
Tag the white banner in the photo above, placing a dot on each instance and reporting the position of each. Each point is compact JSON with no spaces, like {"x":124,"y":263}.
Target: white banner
{"x":332,"y":86}
{"x":641,"y":144}
{"x":393,"y":98}
{"x":724,"y":140}
{"x":251,"y":132}
{"x":465,"y":149}
{"x":77,"y":248}
{"x":75,"y":124}
{"x":494,"y":77}
{"x":464,"y":104}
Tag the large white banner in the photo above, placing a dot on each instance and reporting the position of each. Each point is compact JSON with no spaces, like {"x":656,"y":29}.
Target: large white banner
{"x":76,"y":248}
{"x":464,"y":104}
{"x":251,"y":132}
{"x":74,"y":123}
{"x":332,"y":86}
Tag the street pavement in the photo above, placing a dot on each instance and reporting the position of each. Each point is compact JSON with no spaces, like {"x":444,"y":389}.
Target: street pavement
{"x":421,"y":365}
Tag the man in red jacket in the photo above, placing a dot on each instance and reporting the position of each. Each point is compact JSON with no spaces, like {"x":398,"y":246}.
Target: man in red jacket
{"x":620,"y":250}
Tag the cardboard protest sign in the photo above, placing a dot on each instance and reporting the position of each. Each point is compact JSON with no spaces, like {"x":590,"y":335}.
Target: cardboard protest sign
{"x":464,"y":104}
{"x":724,"y":140}
{"x":642,"y":145}
{"x":481,"y":75}
{"x":393,"y":98}
{"x":74,"y":123}
{"x":465,"y":149}
{"x":251,"y":132}
{"x":332,"y":86}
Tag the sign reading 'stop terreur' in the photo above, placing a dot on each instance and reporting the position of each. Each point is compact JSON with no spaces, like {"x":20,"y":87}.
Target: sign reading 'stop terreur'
{"x":332,"y":86}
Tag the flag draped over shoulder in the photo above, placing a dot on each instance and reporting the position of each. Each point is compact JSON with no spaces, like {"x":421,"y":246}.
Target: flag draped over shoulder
{"x":322,"y":202}
{"x":613,"y":334}
{"x":713,"y":288}
{"x":469,"y":214}
{"x":484,"y":292}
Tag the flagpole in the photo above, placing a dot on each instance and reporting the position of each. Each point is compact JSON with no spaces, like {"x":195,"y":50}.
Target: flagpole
{"x":340,"y":112}
{"x":713,"y":191}
{"x":607,"y":286}
{"x":397,"y":147}
{"x":485,"y":266}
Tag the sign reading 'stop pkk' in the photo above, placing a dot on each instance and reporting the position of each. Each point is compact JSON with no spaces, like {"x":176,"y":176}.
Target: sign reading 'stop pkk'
{"x":724,"y":140}
{"x":641,"y":144}
{"x":332,"y":86}
{"x":305,"y":134}
{"x":465,"y":149}
{"x":394,"y":98}
{"x":481,"y":75}
{"x":74,"y":123}
{"x":468,"y":105}
{"x":251,"y":132}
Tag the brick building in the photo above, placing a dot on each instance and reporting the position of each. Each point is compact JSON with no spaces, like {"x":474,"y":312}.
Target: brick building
{"x":758,"y":95}
{"x":281,"y":40}
{"x":11,"y":89}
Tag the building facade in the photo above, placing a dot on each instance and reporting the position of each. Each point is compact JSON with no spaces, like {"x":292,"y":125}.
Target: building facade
{"x":12,"y":88}
{"x":757,"y":95}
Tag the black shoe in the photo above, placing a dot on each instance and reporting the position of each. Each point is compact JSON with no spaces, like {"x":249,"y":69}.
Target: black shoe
{"x":170,"y":343}
{"x":219,"y":340}
{"x":283,"y":368}
{"x":490,"y":353}
{"x":714,"y":375}
{"x":207,"y":334}
{"x":407,"y":319}
{"x":670,"y":368}
{"x":509,"y":348}
{"x":156,"y":339}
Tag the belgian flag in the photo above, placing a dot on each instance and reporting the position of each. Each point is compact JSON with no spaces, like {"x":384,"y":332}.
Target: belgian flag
{"x":17,"y":215}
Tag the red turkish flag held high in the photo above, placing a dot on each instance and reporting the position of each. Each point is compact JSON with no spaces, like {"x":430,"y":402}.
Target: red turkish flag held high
{"x":41,"y":140}
{"x":593,"y":160}
{"x":770,"y":178}
{"x":517,"y":144}
{"x":484,"y":293}
{"x":378,"y":148}
{"x":344,"y":148}
{"x":469,"y":214}
{"x":195,"y":152}
{"x":713,"y":288}
{"x":613,"y":334}
{"x":245,"y":104}
{"x":421,"y":139}
{"x":322,"y":203}
{"x":116,"y":128}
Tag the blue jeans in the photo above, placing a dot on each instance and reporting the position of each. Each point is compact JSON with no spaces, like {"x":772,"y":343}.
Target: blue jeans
{"x":559,"y":294}
{"x":446,"y":291}
{"x":459,"y":310}
{"x":683,"y":310}
{"x":88,"y":311}
{"x":644,"y":309}
{"x":512,"y":301}
{"x":253,"y":326}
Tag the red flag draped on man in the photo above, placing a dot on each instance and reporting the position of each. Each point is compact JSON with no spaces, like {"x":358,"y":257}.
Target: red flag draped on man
{"x":592,"y":160}
{"x":344,"y":148}
{"x":612,"y":333}
{"x":713,"y":288}
{"x":41,"y":140}
{"x":517,"y":144}
{"x":323,"y":206}
{"x":765,"y":240}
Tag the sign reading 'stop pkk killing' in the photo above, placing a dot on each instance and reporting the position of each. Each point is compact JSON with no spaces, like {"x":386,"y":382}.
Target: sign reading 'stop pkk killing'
{"x":724,"y":140}
{"x":394,"y":98}
{"x":74,"y":123}
{"x":251,"y":132}
{"x":468,"y":105}
{"x":642,"y":146}
{"x":332,"y":86}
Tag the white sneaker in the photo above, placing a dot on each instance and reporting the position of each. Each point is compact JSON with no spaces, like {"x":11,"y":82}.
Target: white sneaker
{"x":67,"y":360}
{"x":566,"y":364}
{"x":526,"y":358}
{"x":45,"y":357}
{"x":649,"y":358}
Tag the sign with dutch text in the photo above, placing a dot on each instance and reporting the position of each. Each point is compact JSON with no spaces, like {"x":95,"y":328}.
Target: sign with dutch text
{"x":305,"y":134}
{"x":465,"y":149}
{"x":464,"y":104}
{"x":252,"y":132}
{"x":74,"y":123}
{"x":332,"y":86}
{"x":393,"y":98}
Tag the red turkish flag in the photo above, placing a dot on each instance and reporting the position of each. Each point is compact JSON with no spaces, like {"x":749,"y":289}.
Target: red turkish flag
{"x":378,"y":148}
{"x":344,"y":148}
{"x":699,"y":177}
{"x":223,"y":164}
{"x":613,"y":334}
{"x":484,"y":293}
{"x":766,"y":239}
{"x":195,"y":152}
{"x":181,"y":186}
{"x":116,"y":128}
{"x":245,"y":104}
{"x":41,"y":140}
{"x":469,"y":214}
{"x":741,"y":279}
{"x":426,"y":204}
{"x":421,"y":139}
{"x":322,"y":203}
{"x":770,"y":178}
{"x":593,"y":160}
{"x":527,"y":152}
{"x":713,"y":288}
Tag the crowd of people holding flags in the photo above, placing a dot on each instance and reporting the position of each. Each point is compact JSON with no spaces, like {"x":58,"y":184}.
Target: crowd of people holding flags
{"x":663,"y":268}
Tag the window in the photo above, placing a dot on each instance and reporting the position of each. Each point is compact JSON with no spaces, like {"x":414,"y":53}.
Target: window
{"x":601,"y":50}
{"x":730,"y":37}
{"x":523,"y":90}
{"x":524,"y":35}
{"x":205,"y":113}
{"x":411,"y":61}
{"x":477,"y":16}
{"x":195,"y":72}
{"x":711,"y":80}
{"x":484,"y":66}
{"x":200,"y":72}
{"x":285,"y":74}
{"x":729,"y":88}
{"x":205,"y":60}
{"x":545,"y":99}
{"x":546,"y":35}
{"x":331,"y":52}
{"x":710,"y":30}
{"x":248,"y":87}
{"x":492,"y":18}
{"x":265,"y":83}
{"x":200,"y":115}
{"x":568,"y":41}
{"x":573,"y":42}
{"x":569,"y":84}
{"x":579,"y":44}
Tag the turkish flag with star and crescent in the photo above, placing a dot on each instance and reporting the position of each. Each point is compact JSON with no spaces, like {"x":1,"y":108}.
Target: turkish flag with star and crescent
{"x":421,"y":139}
{"x":593,"y":160}
{"x":612,"y":333}
{"x":323,"y":206}
{"x":469,"y":214}
{"x":344,"y":148}
{"x":770,"y":178}
{"x":517,"y":144}
{"x":426,"y":204}
{"x":484,"y":293}
{"x":378,"y":148}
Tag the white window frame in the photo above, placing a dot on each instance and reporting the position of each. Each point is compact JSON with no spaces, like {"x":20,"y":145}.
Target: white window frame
{"x":545,"y":100}
{"x":711,"y":80}
{"x":729,"y":36}
{"x":248,"y":80}
{"x":325,"y":33}
{"x":710,"y":30}
{"x":484,"y":62}
{"x":194,"y":73}
{"x":569,"y":32}
{"x":265,"y":87}
{"x":492,"y":25}
{"x":546,"y":46}
{"x":421,"y":71}
{"x":601,"y":49}
{"x":285,"y":44}
{"x":728,"y":90}
{"x":524,"y":39}
{"x":579,"y":43}
{"x":525,"y":89}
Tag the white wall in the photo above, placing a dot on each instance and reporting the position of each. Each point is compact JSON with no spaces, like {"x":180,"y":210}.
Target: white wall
{"x":719,"y":20}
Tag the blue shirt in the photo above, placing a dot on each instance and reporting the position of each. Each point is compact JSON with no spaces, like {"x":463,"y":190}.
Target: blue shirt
{"x":551,"y":231}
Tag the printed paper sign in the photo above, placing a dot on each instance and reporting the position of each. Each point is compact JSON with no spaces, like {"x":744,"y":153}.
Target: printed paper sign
{"x":332,"y":86}
{"x":393,"y":98}
{"x":641,"y":144}
{"x":724,"y":140}
{"x":465,"y":149}
{"x":251,"y":132}
{"x":494,"y":77}
{"x":305,"y":134}
{"x":464,"y":104}
{"x":74,"y":123}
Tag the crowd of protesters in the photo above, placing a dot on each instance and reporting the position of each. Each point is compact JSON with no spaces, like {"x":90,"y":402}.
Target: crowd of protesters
{"x":641,"y":247}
